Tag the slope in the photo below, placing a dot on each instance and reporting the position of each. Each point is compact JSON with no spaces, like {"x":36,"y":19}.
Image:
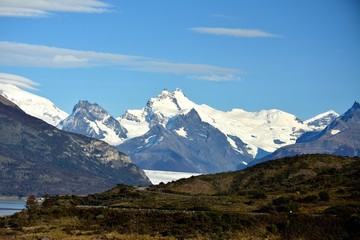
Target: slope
{"x":32,"y":104}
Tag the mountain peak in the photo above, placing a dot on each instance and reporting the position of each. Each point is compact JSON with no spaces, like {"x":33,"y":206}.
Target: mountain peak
{"x":355,"y":106}
{"x":92,"y":120}
{"x":319,"y":122}
{"x":166,"y":105}
{"x":165,"y":93}
{"x":352,"y":112}
{"x":90,"y":109}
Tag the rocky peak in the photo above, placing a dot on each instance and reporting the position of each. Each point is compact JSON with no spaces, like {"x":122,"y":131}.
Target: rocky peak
{"x":91,"y":120}
{"x":94,"y":110}
{"x":354,"y":111}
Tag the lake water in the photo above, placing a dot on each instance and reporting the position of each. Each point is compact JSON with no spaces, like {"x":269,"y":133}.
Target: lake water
{"x":9,"y":207}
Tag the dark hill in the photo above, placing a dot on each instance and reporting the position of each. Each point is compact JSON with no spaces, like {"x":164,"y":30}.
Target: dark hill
{"x":303,"y":197}
{"x":38,"y":158}
{"x":303,"y":173}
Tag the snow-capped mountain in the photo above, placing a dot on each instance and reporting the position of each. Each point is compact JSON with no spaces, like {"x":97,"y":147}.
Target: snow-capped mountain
{"x":32,"y":104}
{"x":187,"y":144}
{"x":93,"y":121}
{"x":164,"y":135}
{"x":266,"y":130}
{"x":340,"y":137}
{"x":320,"y":121}
{"x":173,"y":133}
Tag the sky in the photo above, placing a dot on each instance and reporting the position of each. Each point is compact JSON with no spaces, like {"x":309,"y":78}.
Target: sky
{"x":302,"y":57}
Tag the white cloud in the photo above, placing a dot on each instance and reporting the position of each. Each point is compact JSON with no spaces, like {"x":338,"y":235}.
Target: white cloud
{"x":216,"y":77}
{"x":41,"y":8}
{"x":235,"y":32}
{"x":69,"y":58}
{"x":27,"y":55}
{"x":18,"y":81}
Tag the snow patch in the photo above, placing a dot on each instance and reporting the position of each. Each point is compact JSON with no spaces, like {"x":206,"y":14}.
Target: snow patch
{"x":157,"y":177}
{"x":181,"y":132}
{"x":334,"y":131}
{"x":234,"y":146}
{"x":110,"y":135}
{"x":146,"y":141}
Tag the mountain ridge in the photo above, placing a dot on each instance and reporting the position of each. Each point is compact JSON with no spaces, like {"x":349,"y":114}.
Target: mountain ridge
{"x":186,"y":144}
{"x":253,"y":134}
{"x":340,"y":137}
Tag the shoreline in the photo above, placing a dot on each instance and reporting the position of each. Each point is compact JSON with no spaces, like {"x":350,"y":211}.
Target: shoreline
{"x":12,"y":198}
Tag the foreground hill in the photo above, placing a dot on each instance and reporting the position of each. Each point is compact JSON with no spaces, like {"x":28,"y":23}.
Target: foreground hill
{"x":37,"y":158}
{"x":291,"y":175}
{"x":302,"y":197}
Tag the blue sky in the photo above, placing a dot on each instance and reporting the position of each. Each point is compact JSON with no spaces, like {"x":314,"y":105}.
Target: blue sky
{"x":302,"y":57}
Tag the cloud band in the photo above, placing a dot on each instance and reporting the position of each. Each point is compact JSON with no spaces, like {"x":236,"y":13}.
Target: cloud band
{"x":41,"y":8}
{"x":27,"y":55}
{"x":234,"y":32}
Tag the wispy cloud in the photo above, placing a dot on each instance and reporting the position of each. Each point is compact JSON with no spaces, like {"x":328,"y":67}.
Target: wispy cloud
{"x":27,"y":55}
{"x":235,"y":32}
{"x":19,"y":81}
{"x":42,"y":8}
{"x":216,"y":78}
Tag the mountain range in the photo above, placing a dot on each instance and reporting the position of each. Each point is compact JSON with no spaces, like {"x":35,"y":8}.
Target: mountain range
{"x":37,"y":158}
{"x":173,"y":133}
{"x":340,"y":137}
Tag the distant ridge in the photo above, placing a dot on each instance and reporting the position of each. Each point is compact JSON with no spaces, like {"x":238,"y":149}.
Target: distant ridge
{"x":248,"y":135}
{"x":340,"y":137}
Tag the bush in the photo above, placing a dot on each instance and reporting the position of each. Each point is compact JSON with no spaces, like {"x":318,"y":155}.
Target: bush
{"x":2,"y":223}
{"x":273,"y":229}
{"x":283,"y":204}
{"x":31,"y":202}
{"x":347,"y":209}
{"x":258,"y":194}
{"x":309,"y":199}
{"x":324,"y":196}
